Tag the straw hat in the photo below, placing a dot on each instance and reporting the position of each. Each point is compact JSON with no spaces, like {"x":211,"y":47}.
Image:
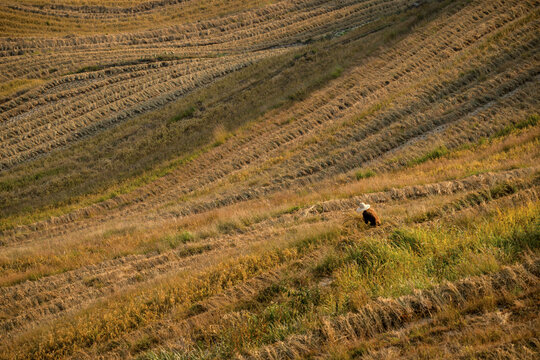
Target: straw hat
{"x":362,"y":207}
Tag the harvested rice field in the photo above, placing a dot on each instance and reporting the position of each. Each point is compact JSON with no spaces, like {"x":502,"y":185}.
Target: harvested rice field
{"x":180,"y":179}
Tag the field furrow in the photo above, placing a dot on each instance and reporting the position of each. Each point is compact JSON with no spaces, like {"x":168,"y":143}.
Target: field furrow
{"x":181,"y":179}
{"x":388,"y":314}
{"x":55,"y":295}
{"x":272,"y":139}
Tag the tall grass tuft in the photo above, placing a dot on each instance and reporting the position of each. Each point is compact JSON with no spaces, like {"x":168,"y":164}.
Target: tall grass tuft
{"x":436,"y":153}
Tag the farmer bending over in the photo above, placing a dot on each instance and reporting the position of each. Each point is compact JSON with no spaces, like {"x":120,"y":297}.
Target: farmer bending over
{"x":369,"y":215}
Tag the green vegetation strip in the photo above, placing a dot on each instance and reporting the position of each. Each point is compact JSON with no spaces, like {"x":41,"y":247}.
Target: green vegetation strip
{"x":363,"y":268}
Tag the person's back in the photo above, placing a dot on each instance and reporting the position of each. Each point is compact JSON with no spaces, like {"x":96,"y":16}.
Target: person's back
{"x":371,"y":218}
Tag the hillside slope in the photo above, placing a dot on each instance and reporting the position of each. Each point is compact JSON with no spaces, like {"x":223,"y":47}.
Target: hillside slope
{"x":178,"y":179}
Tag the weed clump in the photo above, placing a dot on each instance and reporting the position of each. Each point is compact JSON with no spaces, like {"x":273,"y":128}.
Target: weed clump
{"x":502,"y":189}
{"x":194,"y":250}
{"x":229,"y":227}
{"x":336,"y":72}
{"x":404,"y":239}
{"x":436,"y":153}
{"x":327,"y":265}
{"x":270,"y":292}
{"x":364,"y":174}
{"x":173,"y":241}
{"x":531,"y":120}
{"x":185,"y":114}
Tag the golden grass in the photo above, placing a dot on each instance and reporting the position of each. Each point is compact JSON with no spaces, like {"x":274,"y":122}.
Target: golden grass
{"x":16,"y":85}
{"x":502,"y":325}
{"x":351,"y":307}
{"x":149,"y":304}
{"x":234,"y":233}
{"x":520,"y":149}
{"x":482,"y":243}
{"x":19,"y":23}
{"x":153,"y":140}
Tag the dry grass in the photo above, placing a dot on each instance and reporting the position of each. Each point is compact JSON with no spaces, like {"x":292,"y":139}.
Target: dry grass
{"x":17,"y":85}
{"x":500,"y":325}
{"x":183,"y":188}
{"x":24,"y":21}
{"x":31,"y":261}
{"x":135,"y":154}
{"x":148,"y":304}
{"x":383,"y":315}
{"x":394,"y":267}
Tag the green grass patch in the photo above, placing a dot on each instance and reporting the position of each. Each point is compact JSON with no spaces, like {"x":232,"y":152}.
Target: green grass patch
{"x":11,"y":184}
{"x":530,"y":121}
{"x":419,"y":257}
{"x":407,"y":240}
{"x":364,"y":174}
{"x":173,"y":241}
{"x":436,"y":153}
{"x":185,"y":114}
{"x":336,"y":72}
{"x":291,"y":209}
{"x":90,"y":68}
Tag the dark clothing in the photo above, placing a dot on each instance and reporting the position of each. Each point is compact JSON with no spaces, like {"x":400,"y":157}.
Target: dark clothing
{"x":371,"y":218}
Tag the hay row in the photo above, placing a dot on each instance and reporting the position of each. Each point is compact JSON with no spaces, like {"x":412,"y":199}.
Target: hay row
{"x":271,"y":20}
{"x":93,"y":112}
{"x":269,"y":147}
{"x":383,"y":315}
{"x":52,"y":296}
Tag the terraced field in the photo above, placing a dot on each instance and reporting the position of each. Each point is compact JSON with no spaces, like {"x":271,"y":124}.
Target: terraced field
{"x":178,"y":179}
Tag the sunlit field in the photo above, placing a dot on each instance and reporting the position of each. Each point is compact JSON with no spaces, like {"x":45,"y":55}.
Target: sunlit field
{"x":179,"y":179}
